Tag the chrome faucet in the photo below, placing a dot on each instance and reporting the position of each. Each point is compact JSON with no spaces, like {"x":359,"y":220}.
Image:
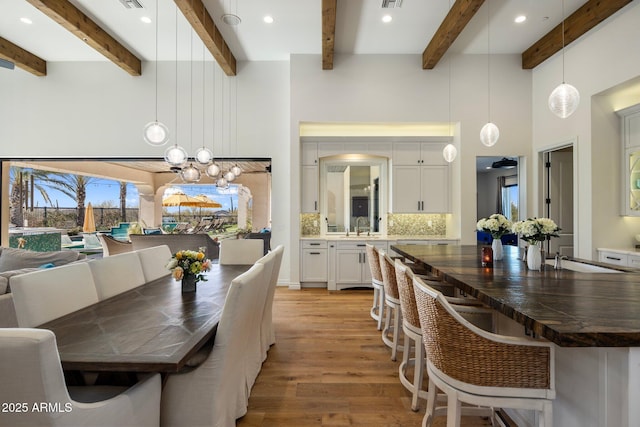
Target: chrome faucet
{"x":358,"y":225}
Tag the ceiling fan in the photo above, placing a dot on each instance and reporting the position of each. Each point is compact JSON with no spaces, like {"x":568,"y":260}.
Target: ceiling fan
{"x":7,"y":64}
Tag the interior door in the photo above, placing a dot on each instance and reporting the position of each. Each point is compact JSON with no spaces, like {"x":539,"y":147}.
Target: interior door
{"x":559,"y":198}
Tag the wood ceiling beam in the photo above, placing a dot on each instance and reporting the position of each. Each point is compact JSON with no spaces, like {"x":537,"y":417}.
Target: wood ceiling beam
{"x":458,"y":17}
{"x":22,"y":58}
{"x":589,"y":15}
{"x":196,"y":13}
{"x":328,"y":32}
{"x":71,"y":18}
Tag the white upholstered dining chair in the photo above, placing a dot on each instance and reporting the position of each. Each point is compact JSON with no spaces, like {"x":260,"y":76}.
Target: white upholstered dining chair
{"x":240,"y":251}
{"x":473,"y":366}
{"x":215,"y":393}
{"x":267,"y":334}
{"x":116,"y":274}
{"x":154,"y":261}
{"x":32,"y":377}
{"x":47,"y":294}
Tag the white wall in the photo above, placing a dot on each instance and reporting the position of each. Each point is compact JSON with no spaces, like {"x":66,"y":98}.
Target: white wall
{"x":595,"y":64}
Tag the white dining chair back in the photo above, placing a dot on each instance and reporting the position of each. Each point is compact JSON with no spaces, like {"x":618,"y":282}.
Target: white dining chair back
{"x":477,"y":367}
{"x":215,"y":393}
{"x":35,"y":394}
{"x":240,"y":251}
{"x":154,"y":261}
{"x":268,"y":335}
{"x":47,"y":294}
{"x":116,"y":274}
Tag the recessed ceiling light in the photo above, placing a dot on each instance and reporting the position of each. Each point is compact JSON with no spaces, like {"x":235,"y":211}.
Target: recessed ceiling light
{"x":231,"y":19}
{"x":520,"y":19}
{"x":26,"y":21}
{"x":387,"y":18}
{"x":146,"y":19}
{"x":268,"y":19}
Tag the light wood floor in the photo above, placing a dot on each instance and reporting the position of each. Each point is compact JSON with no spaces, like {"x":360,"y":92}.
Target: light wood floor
{"x":329,"y":367}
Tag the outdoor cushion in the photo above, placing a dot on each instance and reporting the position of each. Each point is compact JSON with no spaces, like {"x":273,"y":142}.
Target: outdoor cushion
{"x":15,"y":259}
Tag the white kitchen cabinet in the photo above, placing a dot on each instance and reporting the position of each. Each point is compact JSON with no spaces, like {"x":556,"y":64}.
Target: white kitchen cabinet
{"x":421,"y":189}
{"x":314,"y":262}
{"x":423,"y":153}
{"x":351,"y":265}
{"x":309,"y":154}
{"x":309,"y":189}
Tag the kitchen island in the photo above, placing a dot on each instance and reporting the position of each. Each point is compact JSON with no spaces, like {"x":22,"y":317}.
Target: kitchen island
{"x":593,"y":318}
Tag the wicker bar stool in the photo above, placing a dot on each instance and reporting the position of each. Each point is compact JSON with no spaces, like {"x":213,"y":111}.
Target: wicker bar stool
{"x":377,"y":309}
{"x":480,"y":368}
{"x":472,"y":310}
{"x":393,"y":314}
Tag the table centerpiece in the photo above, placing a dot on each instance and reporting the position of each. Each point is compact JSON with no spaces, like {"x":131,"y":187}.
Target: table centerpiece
{"x":189,"y":267}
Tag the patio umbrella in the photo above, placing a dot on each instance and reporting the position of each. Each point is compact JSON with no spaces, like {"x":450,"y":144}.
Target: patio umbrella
{"x":179,"y":200}
{"x":206,"y":202}
{"x":89,"y":225}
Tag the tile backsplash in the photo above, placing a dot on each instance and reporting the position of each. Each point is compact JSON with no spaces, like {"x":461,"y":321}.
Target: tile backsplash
{"x":416,"y":224}
{"x":397,"y":224}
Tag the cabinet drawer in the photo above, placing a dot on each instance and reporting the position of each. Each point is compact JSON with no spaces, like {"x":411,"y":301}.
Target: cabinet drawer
{"x":360,"y":244}
{"x":615,"y":258}
{"x":311,"y":244}
{"x":633,"y":261}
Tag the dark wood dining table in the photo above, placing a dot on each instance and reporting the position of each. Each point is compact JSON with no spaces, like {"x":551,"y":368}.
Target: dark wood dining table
{"x":152,"y":328}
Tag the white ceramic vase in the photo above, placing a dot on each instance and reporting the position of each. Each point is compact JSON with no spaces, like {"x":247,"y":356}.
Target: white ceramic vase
{"x":496,"y":246}
{"x":534,"y":259}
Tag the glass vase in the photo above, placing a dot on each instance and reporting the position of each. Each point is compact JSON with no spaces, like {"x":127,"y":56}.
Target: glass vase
{"x":534,"y":259}
{"x":496,"y":246}
{"x":188,"y":283}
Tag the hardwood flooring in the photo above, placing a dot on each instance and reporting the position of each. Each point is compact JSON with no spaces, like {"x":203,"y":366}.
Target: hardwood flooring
{"x":329,"y":367}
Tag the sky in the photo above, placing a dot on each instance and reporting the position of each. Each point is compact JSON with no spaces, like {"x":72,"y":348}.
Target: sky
{"x":104,"y":192}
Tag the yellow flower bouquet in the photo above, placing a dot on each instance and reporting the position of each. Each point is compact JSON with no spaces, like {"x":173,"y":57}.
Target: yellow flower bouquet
{"x":187,"y":262}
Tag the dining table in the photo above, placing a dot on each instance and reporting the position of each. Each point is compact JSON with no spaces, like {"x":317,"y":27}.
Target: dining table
{"x":154,"y":327}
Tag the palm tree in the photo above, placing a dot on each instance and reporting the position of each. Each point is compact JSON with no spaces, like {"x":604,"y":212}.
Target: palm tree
{"x":123,"y":201}
{"x":75,"y":187}
{"x":20,"y":177}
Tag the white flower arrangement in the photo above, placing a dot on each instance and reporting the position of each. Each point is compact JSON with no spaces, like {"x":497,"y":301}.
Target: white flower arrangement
{"x":497,"y":225}
{"x":535,"y":230}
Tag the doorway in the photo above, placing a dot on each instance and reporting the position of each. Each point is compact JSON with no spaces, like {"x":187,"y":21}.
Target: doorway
{"x":557,"y":173}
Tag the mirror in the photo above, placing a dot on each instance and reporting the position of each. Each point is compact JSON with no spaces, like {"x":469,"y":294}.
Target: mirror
{"x":352,"y":193}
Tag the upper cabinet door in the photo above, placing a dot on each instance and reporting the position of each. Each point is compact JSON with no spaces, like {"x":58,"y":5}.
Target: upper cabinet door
{"x":418,"y":153}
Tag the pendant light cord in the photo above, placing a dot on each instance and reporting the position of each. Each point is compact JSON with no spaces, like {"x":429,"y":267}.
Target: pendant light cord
{"x":157,"y":6}
{"x":176,"y":74}
{"x":489,"y":60}
{"x":563,"y":42}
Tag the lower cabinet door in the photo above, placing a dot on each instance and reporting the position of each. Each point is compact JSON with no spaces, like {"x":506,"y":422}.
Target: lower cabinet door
{"x":314,"y":265}
{"x":349,"y":266}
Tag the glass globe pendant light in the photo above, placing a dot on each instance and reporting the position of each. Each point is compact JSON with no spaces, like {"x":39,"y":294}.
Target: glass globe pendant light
{"x":222,"y":182}
{"x":176,"y":156}
{"x":449,"y":152}
{"x":203,"y":156}
{"x":236,"y":170}
{"x":229,"y":176}
{"x":156,"y":133}
{"x":190,"y":174}
{"x":212,"y":170}
{"x":489,"y":134}
{"x":565,"y":98}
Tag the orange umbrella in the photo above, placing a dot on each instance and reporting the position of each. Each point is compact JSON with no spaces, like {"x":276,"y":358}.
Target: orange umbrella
{"x":89,"y":225}
{"x":206,"y":202}
{"x":180,"y":199}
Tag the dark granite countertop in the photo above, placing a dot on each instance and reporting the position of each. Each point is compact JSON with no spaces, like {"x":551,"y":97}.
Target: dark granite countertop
{"x":568,"y":308}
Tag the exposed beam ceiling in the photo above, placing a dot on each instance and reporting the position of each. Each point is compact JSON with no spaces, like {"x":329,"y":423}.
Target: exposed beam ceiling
{"x":582,"y":20}
{"x":458,"y":17}
{"x":71,"y":18}
{"x":202,"y":23}
{"x":328,"y":32}
{"x":22,"y":58}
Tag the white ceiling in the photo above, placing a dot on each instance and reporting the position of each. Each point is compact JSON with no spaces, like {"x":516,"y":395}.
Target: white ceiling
{"x":296,"y":28}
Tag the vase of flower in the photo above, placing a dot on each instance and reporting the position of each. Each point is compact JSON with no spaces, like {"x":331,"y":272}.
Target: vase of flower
{"x":188,"y":283}
{"x":496,"y":246}
{"x":534,"y":259}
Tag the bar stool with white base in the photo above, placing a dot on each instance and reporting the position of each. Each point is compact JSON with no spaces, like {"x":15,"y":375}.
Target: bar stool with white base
{"x":393,"y":314}
{"x":377,"y":309}
{"x":476,"y":367}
